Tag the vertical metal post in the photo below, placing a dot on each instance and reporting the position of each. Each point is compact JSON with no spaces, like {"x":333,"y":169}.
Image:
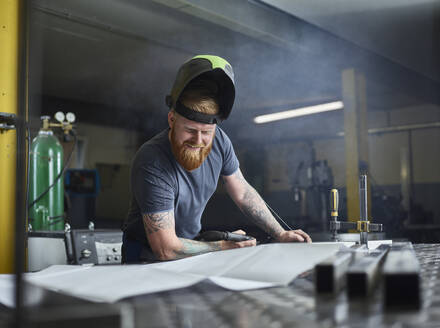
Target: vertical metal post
{"x":363,"y":205}
{"x":21,"y":211}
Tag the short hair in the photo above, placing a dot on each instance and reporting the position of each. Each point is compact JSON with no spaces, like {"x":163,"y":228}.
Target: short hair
{"x":201,"y":96}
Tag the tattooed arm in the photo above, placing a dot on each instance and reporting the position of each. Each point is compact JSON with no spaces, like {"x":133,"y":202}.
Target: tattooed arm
{"x":161,"y":234}
{"x":254,"y":207}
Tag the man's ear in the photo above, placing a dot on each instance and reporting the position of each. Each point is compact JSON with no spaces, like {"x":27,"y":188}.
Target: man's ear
{"x":171,"y":118}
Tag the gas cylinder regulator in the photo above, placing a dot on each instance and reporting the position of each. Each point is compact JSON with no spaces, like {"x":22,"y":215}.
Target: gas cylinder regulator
{"x":46,"y":171}
{"x":65,"y":122}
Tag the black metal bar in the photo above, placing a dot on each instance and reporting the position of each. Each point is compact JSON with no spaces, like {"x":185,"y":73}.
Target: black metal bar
{"x":402,"y":278}
{"x":344,"y":225}
{"x":364,"y":273}
{"x":21,"y":190}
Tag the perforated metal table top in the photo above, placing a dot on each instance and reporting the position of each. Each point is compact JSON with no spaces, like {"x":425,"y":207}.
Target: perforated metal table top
{"x":206,"y":305}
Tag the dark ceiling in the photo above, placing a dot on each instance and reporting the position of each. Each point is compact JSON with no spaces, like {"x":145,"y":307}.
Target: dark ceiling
{"x":404,"y":31}
{"x":112,"y":62}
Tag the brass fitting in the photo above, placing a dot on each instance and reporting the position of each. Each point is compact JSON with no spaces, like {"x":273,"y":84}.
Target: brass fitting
{"x":363,"y":226}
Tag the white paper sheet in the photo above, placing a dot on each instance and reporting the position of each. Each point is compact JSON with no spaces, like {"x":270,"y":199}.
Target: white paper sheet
{"x":7,"y":290}
{"x":238,"y":269}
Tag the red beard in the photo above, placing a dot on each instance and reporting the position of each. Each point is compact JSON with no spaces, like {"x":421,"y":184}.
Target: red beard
{"x":189,"y":159}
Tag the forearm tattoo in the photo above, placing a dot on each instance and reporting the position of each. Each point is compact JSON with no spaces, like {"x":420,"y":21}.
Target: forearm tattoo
{"x":193,"y":247}
{"x":158,"y":221}
{"x":165,"y":220}
{"x":254,"y":207}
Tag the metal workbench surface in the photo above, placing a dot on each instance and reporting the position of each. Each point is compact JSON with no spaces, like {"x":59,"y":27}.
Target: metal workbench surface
{"x":206,"y":305}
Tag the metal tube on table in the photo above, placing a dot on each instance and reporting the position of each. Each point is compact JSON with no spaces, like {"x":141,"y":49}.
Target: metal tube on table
{"x":364,"y":273}
{"x":402,"y":280}
{"x":330,"y":273}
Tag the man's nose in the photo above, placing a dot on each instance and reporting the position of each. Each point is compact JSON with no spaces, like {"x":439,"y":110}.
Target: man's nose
{"x":198,"y":138}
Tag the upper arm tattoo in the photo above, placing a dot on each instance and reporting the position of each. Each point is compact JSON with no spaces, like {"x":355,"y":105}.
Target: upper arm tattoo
{"x":154,"y":222}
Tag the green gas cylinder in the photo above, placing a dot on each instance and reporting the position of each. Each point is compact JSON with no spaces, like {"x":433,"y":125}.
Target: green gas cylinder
{"x":46,"y":163}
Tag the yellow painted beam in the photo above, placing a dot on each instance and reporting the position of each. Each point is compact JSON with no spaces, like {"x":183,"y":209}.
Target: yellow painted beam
{"x":356,"y":138}
{"x":9,"y":53}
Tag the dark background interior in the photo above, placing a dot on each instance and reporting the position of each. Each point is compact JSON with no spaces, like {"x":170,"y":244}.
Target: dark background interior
{"x":113,"y":62}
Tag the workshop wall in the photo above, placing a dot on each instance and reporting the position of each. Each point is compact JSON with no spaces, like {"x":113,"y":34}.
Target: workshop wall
{"x":384,"y":156}
{"x":278,"y":167}
{"x":110,"y":151}
{"x":108,"y":145}
{"x":415,"y":115}
{"x":426,"y":155}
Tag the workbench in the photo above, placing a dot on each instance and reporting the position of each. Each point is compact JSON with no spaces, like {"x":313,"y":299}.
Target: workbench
{"x":206,"y":305}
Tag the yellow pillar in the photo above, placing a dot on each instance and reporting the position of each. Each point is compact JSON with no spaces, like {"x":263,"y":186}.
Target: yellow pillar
{"x":356,"y":138}
{"x":9,"y":36}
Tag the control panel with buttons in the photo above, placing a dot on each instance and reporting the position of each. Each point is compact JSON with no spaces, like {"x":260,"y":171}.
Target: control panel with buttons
{"x":94,"y":246}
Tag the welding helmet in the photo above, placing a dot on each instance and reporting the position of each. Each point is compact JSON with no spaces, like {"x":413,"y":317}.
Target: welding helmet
{"x":205,"y":67}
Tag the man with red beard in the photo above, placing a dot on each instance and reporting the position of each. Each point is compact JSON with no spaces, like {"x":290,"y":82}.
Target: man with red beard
{"x":174,"y":174}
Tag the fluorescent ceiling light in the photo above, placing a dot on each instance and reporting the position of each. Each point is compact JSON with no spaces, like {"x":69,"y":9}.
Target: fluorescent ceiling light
{"x":299,"y":112}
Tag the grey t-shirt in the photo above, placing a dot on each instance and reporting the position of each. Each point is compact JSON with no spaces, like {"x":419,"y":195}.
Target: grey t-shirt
{"x":159,"y":183}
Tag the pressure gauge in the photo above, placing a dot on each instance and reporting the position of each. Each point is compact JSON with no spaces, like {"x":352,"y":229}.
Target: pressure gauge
{"x":70,"y":117}
{"x":59,"y":116}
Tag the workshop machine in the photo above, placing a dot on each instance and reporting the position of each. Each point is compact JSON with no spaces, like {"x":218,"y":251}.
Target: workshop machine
{"x":74,"y":246}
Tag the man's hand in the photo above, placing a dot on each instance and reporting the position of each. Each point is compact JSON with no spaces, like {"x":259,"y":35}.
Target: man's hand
{"x":239,"y":244}
{"x":294,"y":236}
{"x":240,"y":232}
{"x":226,"y":244}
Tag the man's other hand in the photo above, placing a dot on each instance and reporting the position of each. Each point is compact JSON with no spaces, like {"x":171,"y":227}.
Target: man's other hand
{"x":294,"y":236}
{"x":239,"y":244}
